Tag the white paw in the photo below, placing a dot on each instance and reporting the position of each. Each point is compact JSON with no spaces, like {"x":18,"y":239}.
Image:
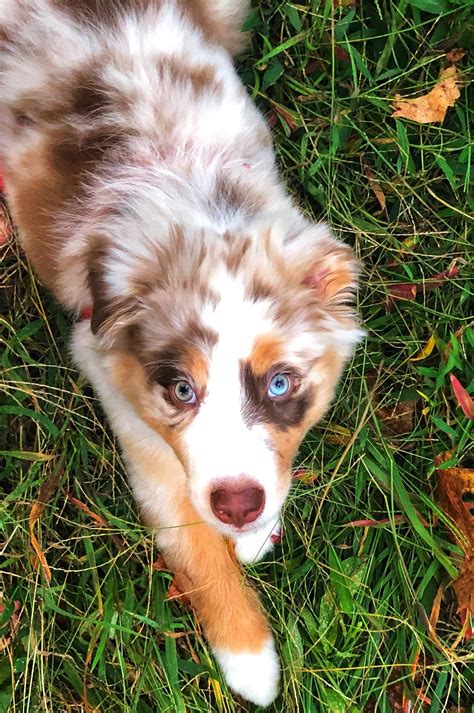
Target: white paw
{"x":253,"y":546}
{"x":253,"y":676}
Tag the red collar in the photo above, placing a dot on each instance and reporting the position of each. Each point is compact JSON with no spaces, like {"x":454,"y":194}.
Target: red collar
{"x":85,"y":314}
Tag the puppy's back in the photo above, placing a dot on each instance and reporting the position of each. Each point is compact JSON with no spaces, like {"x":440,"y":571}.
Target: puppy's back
{"x":219,"y":20}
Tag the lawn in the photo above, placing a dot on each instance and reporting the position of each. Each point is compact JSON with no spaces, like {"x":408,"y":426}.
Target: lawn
{"x":350,"y":604}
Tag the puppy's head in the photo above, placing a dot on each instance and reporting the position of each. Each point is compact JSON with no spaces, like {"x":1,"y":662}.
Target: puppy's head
{"x":230,"y":347}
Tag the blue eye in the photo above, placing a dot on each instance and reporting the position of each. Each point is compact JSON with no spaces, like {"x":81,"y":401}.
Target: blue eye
{"x":184,"y":393}
{"x":280,"y":385}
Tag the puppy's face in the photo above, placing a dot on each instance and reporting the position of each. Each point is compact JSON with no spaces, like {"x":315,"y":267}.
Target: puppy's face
{"x":230,"y":348}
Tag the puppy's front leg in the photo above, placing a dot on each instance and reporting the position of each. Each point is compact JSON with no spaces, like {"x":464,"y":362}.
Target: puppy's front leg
{"x":207,"y":572}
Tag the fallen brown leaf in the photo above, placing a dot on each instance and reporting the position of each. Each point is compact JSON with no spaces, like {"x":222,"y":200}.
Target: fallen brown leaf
{"x":455,"y":55}
{"x":316,"y":65}
{"x":437,"y":280}
{"x":286,"y":116}
{"x":6,"y":230}
{"x":430,"y":107}
{"x":14,"y":623}
{"x":375,"y":186}
{"x":341,"y":54}
{"x":384,"y":140}
{"x":44,"y":496}
{"x":398,"y":419}
{"x":455,"y":484}
{"x":305,"y":475}
{"x":409,"y":291}
{"x":400,"y":291}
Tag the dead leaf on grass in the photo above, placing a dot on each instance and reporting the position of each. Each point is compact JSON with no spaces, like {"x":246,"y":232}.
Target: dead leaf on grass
{"x":14,"y":623}
{"x":455,"y":486}
{"x":396,"y":420}
{"x":286,"y":116}
{"x":376,"y":188}
{"x":6,"y":230}
{"x":455,"y":55}
{"x":45,"y":494}
{"x":431,"y":107}
{"x":426,"y":351}
{"x":400,"y":291}
{"x":305,"y":475}
{"x":409,"y":291}
{"x":341,"y":54}
{"x":463,"y":398}
{"x":437,"y":280}
{"x":384,"y":140}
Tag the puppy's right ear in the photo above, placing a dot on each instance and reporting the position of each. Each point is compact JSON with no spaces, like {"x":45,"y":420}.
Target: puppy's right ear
{"x":113,"y":314}
{"x":324,"y":264}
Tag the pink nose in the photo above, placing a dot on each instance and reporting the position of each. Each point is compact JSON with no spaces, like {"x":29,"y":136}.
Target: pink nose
{"x":237,"y":504}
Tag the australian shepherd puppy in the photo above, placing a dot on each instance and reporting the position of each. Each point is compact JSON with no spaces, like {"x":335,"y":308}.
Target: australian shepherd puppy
{"x":213,"y":319}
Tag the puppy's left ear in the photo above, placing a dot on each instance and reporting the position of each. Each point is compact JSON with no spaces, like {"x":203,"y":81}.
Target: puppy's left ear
{"x":324,"y":264}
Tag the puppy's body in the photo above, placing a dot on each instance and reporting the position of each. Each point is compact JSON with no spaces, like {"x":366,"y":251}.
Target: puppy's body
{"x":142,"y":179}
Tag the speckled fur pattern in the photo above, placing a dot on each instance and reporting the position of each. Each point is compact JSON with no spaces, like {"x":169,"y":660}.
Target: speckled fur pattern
{"x":143,"y":183}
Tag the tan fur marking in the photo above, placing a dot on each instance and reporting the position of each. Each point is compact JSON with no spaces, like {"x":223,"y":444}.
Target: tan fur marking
{"x":131,"y":380}
{"x":267,"y":351}
{"x":228,"y":608}
{"x":198,"y":367}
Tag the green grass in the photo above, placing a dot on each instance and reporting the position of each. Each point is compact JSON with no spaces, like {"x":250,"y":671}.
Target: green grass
{"x":348,"y":604}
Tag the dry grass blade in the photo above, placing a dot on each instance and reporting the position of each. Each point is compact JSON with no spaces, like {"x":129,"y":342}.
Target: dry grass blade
{"x":46,"y":492}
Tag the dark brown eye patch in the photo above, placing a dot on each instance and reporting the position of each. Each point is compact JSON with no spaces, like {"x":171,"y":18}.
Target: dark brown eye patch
{"x":283,"y":412}
{"x":165,"y":374}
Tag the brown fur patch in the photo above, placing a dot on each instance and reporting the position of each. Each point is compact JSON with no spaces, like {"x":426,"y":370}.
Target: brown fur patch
{"x":201,"y":78}
{"x":259,"y":408}
{"x":237,"y":251}
{"x":179,"y":360}
{"x":38,"y":190}
{"x":214,"y":25}
{"x":239,"y":196}
{"x":260,"y":290}
{"x":104,"y":11}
